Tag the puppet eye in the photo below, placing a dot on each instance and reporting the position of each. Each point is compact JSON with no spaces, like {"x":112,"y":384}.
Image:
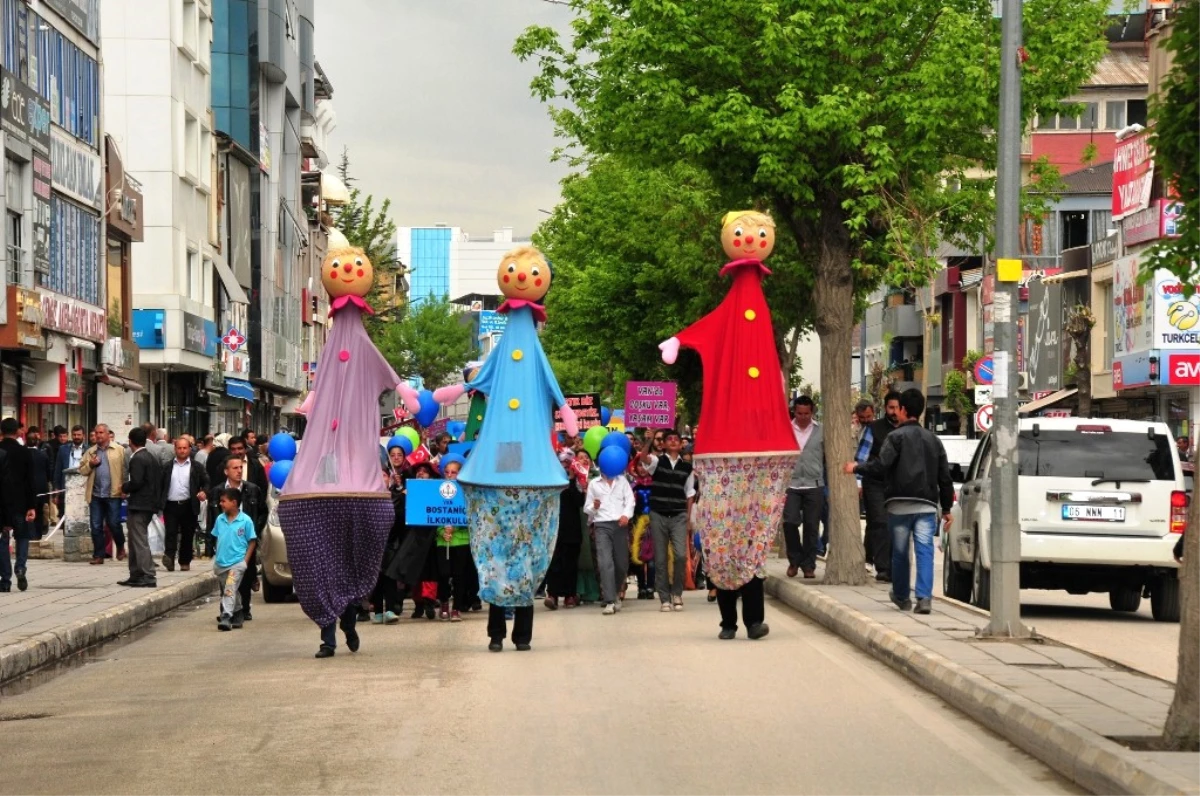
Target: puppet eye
{"x":512,"y":268}
{"x":762,"y":233}
{"x":536,"y":271}
{"x":737,"y":232}
{"x":358,"y":261}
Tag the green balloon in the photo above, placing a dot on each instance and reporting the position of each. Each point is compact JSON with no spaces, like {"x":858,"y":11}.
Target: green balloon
{"x":592,"y":439}
{"x":410,"y":434}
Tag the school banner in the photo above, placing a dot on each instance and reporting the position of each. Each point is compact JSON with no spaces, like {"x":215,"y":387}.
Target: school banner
{"x":650,"y":404}
{"x":587,"y":411}
{"x":434,"y":502}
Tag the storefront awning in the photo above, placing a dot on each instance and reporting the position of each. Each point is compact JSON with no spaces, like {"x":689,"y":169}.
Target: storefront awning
{"x":1049,"y":400}
{"x":237,"y":388}
{"x":229,"y":280}
{"x":115,"y":380}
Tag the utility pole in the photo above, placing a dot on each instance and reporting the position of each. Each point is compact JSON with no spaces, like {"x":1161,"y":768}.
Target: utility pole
{"x":1005,"y":531}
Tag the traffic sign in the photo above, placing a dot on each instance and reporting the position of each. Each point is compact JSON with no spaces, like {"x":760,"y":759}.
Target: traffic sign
{"x":983,"y":371}
{"x":983,"y":396}
{"x":983,"y":417}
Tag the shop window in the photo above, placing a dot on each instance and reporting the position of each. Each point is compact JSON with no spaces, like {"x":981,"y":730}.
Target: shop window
{"x":118,"y":307}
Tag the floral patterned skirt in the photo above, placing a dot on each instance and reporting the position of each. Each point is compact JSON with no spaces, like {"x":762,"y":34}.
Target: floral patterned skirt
{"x":741,"y":502}
{"x":513,"y":530}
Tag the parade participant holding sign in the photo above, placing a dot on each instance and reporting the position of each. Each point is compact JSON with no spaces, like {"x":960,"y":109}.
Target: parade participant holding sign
{"x":512,"y":480}
{"x":747,"y":449}
{"x":335,"y":511}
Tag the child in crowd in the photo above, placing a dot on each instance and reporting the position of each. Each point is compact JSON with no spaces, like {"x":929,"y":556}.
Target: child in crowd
{"x":453,"y":555}
{"x":386,"y":600}
{"x":587,"y":587}
{"x":609,"y":504}
{"x":414,"y":566}
{"x":236,"y":541}
{"x":563,"y":576}
{"x":641,"y":548}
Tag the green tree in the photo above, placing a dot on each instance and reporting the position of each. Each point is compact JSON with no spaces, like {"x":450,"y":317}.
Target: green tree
{"x":1173,"y":114}
{"x":636,"y":254}
{"x":822,"y":108}
{"x":432,"y":342}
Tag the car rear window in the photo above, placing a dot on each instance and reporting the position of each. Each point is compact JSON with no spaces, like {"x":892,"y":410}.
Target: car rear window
{"x":1107,"y":455}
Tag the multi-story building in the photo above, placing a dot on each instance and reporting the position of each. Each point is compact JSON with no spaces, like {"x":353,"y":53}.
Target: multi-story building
{"x":157,"y":78}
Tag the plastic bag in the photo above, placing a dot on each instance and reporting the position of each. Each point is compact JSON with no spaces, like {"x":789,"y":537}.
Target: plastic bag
{"x":158,"y":535}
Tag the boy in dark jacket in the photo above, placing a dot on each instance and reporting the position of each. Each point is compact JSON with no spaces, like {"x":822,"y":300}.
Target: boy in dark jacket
{"x":916,"y":475}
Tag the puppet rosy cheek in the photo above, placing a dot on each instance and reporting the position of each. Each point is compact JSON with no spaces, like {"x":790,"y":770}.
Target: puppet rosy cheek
{"x":333,"y":274}
{"x":737,"y":241}
{"x":762,"y":244}
{"x":506,"y":280}
{"x":361,"y":271}
{"x":537,"y":283}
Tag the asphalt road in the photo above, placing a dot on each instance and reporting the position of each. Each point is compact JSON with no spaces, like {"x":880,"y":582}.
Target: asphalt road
{"x":1087,"y":622}
{"x":641,"y":702}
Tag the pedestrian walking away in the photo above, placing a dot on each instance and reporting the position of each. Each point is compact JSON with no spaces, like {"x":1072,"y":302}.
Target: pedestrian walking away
{"x":916,"y":477}
{"x":805,"y":502}
{"x":184,"y":486}
{"x":18,"y":505}
{"x":878,"y":540}
{"x":143,"y":491}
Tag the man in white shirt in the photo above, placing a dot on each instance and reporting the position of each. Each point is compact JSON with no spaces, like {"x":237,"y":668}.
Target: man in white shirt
{"x":609,"y":505}
{"x":184,"y":483}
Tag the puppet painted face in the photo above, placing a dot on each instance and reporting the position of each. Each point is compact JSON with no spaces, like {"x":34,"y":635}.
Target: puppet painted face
{"x":347,"y":272}
{"x":747,"y":235}
{"x":524,"y":274}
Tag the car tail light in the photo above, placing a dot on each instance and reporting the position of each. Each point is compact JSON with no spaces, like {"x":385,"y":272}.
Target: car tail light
{"x":1179,"y":505}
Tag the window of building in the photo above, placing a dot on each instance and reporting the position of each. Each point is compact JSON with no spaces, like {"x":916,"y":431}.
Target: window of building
{"x":1114,"y":114}
{"x":118,"y":309}
{"x":192,"y":287}
{"x":1101,"y":223}
{"x":204,"y":167}
{"x":69,"y":80}
{"x":14,"y":24}
{"x":206,"y":37}
{"x":1109,"y":325}
{"x":191,"y":27}
{"x":206,"y":281}
{"x":1135,"y":111}
{"x":191,"y":147}
{"x":1086,"y":119}
{"x":74,"y":248}
{"x":16,"y":254}
{"x":1075,"y":229}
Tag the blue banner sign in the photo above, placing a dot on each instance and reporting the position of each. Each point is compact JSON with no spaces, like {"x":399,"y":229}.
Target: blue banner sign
{"x":434,"y":502}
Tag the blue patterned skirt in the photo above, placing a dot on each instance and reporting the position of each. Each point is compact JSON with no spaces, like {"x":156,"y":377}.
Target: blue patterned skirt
{"x":335,"y":545}
{"x":513,"y":531}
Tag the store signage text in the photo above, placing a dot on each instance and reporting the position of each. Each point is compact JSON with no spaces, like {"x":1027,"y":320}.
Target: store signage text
{"x":77,"y":169}
{"x":68,"y":315}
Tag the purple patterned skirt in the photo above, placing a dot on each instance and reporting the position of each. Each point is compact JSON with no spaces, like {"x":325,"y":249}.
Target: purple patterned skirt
{"x":335,"y":545}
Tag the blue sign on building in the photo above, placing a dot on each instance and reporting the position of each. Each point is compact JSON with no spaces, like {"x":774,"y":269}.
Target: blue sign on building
{"x":434,"y":502}
{"x":491,"y":322}
{"x":149,"y":328}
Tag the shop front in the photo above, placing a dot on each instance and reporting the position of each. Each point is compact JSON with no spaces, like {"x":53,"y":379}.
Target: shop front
{"x":62,"y":389}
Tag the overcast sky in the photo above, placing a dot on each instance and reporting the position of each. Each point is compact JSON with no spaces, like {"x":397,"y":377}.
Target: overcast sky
{"x":436,"y":111}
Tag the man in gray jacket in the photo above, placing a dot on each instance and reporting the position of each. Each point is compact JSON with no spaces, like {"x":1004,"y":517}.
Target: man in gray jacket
{"x":806,"y":491}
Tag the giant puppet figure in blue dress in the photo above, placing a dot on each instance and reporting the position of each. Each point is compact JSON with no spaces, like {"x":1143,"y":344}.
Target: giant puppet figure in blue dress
{"x":512,"y":479}
{"x":335,"y":509}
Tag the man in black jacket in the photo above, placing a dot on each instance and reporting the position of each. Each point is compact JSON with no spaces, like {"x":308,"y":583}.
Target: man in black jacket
{"x":18,"y":500}
{"x":255,"y":472}
{"x":916,"y":479}
{"x":879,"y":541}
{"x":254,"y":506}
{"x":184,"y":487}
{"x":143,"y":491}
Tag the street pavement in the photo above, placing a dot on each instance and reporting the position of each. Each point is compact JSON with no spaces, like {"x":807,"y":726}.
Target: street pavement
{"x":640,"y":702}
{"x":1086,"y":621}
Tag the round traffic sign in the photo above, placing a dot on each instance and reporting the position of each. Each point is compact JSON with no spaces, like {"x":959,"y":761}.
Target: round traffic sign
{"x":983,"y":417}
{"x":983,"y":371}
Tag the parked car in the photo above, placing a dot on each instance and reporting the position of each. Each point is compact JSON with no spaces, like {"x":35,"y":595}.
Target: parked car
{"x":1101,"y":504}
{"x":272,"y":554}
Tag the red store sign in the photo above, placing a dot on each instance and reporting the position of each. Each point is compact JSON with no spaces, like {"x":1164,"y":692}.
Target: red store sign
{"x":1184,"y":369}
{"x":1133,"y":174}
{"x":73,"y":317}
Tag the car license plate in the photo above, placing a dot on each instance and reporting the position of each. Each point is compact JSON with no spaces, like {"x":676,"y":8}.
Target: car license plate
{"x":1093,"y":513}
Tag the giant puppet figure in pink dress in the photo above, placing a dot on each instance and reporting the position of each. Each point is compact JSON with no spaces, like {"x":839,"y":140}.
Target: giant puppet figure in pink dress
{"x":745,"y":448}
{"x":335,"y":510}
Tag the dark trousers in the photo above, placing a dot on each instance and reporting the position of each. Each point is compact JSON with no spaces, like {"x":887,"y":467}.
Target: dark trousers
{"x":753,"y":604}
{"x":454,"y":574}
{"x":563,"y":577}
{"x":522,"y":624}
{"x":879,"y":540}
{"x":246,"y":587}
{"x":386,"y":596}
{"x":105,"y":510}
{"x":180,"y":520}
{"x":803,"y":506}
{"x":347,"y":622}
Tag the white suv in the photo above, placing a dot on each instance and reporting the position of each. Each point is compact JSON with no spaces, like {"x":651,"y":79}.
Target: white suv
{"x":1101,"y":504}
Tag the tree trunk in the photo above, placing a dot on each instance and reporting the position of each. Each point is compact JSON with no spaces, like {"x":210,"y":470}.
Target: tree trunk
{"x":833,"y":300}
{"x":1182,"y":731}
{"x":789,"y":364}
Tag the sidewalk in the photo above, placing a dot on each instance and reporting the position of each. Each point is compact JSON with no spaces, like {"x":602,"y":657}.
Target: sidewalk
{"x":69,"y":607}
{"x":1057,"y":703}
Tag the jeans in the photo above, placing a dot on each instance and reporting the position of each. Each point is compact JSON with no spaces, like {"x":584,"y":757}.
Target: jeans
{"x":6,"y":564}
{"x":229,"y":579}
{"x":920,"y":528}
{"x":102,"y":510}
{"x":672,"y":529}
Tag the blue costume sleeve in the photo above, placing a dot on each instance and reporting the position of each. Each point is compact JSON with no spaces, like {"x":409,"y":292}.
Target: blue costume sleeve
{"x":556,"y":393}
{"x":483,"y":381}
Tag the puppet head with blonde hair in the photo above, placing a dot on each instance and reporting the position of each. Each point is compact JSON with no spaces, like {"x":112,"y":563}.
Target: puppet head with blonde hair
{"x":524,"y":274}
{"x":347,"y":272}
{"x":747,"y":235}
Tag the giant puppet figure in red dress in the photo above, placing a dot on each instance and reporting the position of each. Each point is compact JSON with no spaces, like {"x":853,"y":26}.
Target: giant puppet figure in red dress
{"x":745,"y":448}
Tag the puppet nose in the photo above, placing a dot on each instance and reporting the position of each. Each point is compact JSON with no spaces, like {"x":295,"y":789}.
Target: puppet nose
{"x":347,"y":267}
{"x":521,"y":277}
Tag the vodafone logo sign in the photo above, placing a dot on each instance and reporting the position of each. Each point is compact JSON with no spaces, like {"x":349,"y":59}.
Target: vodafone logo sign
{"x":1184,"y":369}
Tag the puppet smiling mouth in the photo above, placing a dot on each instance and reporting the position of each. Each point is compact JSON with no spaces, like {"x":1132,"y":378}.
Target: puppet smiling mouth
{"x":521,"y":288}
{"x":351,"y":279}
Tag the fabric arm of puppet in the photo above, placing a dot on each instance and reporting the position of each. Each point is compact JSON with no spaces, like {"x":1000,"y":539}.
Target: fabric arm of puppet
{"x":670,"y":350}
{"x":448,"y":395}
{"x":570,"y":425}
{"x":407,"y":394}
{"x":306,"y":407}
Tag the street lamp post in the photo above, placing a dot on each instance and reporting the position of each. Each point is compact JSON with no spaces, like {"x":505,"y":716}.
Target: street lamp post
{"x":1005,"y":531}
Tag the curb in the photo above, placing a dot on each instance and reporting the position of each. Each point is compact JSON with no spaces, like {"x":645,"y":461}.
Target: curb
{"x":1086,"y":758}
{"x":29,"y":654}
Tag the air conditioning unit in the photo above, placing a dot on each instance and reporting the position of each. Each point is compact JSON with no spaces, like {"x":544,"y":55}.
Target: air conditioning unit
{"x":1023,"y":381}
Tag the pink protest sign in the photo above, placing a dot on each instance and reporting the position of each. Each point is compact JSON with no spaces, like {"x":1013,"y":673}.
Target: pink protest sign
{"x":650,"y":404}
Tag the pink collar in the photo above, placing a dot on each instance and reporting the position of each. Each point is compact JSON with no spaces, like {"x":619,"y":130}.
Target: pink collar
{"x":539,"y":312}
{"x":745,"y":263}
{"x":341,"y":301}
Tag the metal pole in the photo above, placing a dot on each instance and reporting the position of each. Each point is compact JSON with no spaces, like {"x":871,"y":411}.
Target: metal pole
{"x":1005,"y":532}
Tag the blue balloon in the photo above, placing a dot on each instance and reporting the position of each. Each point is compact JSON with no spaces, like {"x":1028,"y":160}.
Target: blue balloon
{"x":605,"y":415}
{"x":612,"y":461}
{"x":281,"y":448}
{"x":280,"y":472}
{"x":616,"y":438}
{"x":429,"y":408}
{"x":456,"y":428}
{"x":403,"y":443}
